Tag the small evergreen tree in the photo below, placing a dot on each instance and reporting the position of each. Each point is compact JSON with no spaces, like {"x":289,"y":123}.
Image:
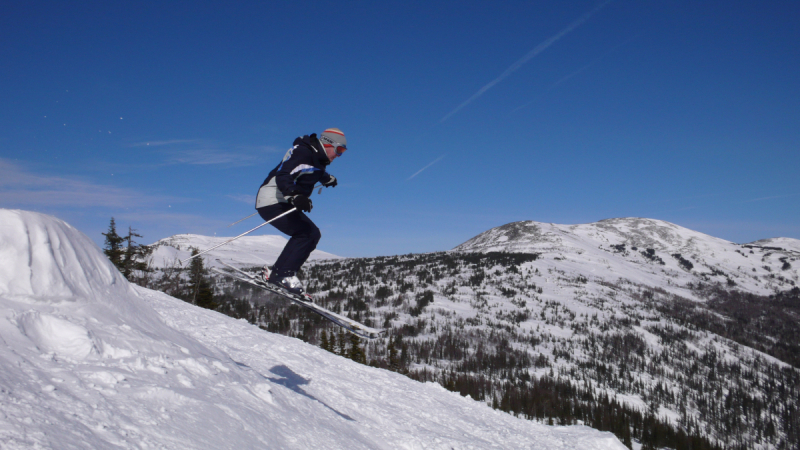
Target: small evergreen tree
{"x":113,"y":245}
{"x":324,"y":343}
{"x":200,"y":291}
{"x":356,"y":353}
{"x":383,"y":293}
{"x":133,"y":256}
{"x":341,"y":344}
{"x":394,"y":358}
{"x":130,"y":258}
{"x":404,"y":357}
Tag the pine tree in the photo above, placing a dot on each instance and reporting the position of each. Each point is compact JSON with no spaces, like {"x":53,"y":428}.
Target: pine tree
{"x":324,"y":343}
{"x":133,"y":256}
{"x":341,"y":344}
{"x":404,"y":356}
{"x":200,"y":291}
{"x":113,"y":245}
{"x":394,"y":359}
{"x":356,"y":353}
{"x":128,"y":259}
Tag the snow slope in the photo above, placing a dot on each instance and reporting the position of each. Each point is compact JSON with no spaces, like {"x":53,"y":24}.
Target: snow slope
{"x":247,"y":251}
{"x":90,"y":361}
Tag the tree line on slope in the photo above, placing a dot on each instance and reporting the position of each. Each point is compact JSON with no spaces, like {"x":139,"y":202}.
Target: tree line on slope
{"x":192,"y":284}
{"x":739,"y":418}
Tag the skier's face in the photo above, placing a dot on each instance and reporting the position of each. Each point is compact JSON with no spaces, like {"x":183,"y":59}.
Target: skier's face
{"x":334,"y":152}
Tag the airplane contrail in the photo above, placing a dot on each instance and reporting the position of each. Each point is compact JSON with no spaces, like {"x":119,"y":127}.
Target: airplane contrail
{"x":420,"y":170}
{"x":565,"y":78}
{"x":769,"y":198}
{"x":538,"y":49}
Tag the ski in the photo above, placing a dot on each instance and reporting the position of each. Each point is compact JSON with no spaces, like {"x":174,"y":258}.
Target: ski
{"x":306,"y":301}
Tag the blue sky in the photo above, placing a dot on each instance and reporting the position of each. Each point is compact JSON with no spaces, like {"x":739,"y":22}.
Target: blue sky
{"x":460,"y":116}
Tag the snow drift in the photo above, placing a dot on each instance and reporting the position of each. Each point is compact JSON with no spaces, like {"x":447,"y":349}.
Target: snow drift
{"x":41,"y":258}
{"x":90,"y":361}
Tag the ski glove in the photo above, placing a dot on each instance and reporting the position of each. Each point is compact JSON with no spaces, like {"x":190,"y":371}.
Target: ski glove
{"x":331,"y":183}
{"x":301,"y":202}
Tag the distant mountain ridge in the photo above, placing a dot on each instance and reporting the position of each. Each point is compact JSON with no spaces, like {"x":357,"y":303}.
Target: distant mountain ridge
{"x":631,"y":231}
{"x":643,"y":248}
{"x":781,"y":242}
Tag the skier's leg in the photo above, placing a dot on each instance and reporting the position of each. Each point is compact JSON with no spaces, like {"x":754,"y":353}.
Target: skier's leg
{"x":304,"y":238}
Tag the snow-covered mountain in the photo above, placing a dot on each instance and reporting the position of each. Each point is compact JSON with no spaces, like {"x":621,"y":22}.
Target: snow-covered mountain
{"x":648,"y":251}
{"x":90,"y":361}
{"x":247,"y":251}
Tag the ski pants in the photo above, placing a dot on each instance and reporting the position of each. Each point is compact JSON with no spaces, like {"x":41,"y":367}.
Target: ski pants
{"x":304,"y":237}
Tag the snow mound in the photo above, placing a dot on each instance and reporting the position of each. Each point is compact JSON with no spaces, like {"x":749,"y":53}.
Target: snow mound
{"x":89,"y":361}
{"x":43,"y":258}
{"x":51,"y":334}
{"x":65,"y":297}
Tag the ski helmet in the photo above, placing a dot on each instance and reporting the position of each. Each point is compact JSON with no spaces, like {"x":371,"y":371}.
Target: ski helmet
{"x":334,"y":142}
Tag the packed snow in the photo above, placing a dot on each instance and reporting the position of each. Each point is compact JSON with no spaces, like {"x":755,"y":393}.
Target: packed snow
{"x":90,"y":361}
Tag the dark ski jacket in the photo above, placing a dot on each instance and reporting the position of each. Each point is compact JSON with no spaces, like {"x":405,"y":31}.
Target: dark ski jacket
{"x":302,"y":167}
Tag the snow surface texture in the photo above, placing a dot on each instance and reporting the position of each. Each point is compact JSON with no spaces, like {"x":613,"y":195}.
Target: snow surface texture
{"x":90,"y":361}
{"x":617,"y":249}
{"x":247,"y":251}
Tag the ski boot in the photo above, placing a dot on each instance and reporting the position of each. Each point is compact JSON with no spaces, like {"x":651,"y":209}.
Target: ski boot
{"x":290,"y":283}
{"x":265,"y":273}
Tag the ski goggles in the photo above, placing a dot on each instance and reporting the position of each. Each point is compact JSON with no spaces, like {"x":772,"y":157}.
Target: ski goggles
{"x":337,"y":147}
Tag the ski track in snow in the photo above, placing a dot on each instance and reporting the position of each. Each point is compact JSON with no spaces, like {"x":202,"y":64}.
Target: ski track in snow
{"x":90,"y":361}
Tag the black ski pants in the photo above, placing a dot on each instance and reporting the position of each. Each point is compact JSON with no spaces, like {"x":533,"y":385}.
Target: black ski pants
{"x":304,"y":237}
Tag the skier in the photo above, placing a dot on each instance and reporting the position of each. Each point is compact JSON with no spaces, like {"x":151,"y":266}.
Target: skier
{"x":290,"y":185}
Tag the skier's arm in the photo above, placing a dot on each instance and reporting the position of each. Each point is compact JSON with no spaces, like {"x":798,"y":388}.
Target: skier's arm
{"x":298,"y":164}
{"x":329,"y":180}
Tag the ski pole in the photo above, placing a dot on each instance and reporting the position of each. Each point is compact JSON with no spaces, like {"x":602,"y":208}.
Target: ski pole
{"x":251,"y":215}
{"x":242,"y":220}
{"x":237,"y":237}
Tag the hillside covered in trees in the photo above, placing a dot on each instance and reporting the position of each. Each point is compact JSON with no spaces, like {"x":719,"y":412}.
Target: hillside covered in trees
{"x":688,"y":352}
